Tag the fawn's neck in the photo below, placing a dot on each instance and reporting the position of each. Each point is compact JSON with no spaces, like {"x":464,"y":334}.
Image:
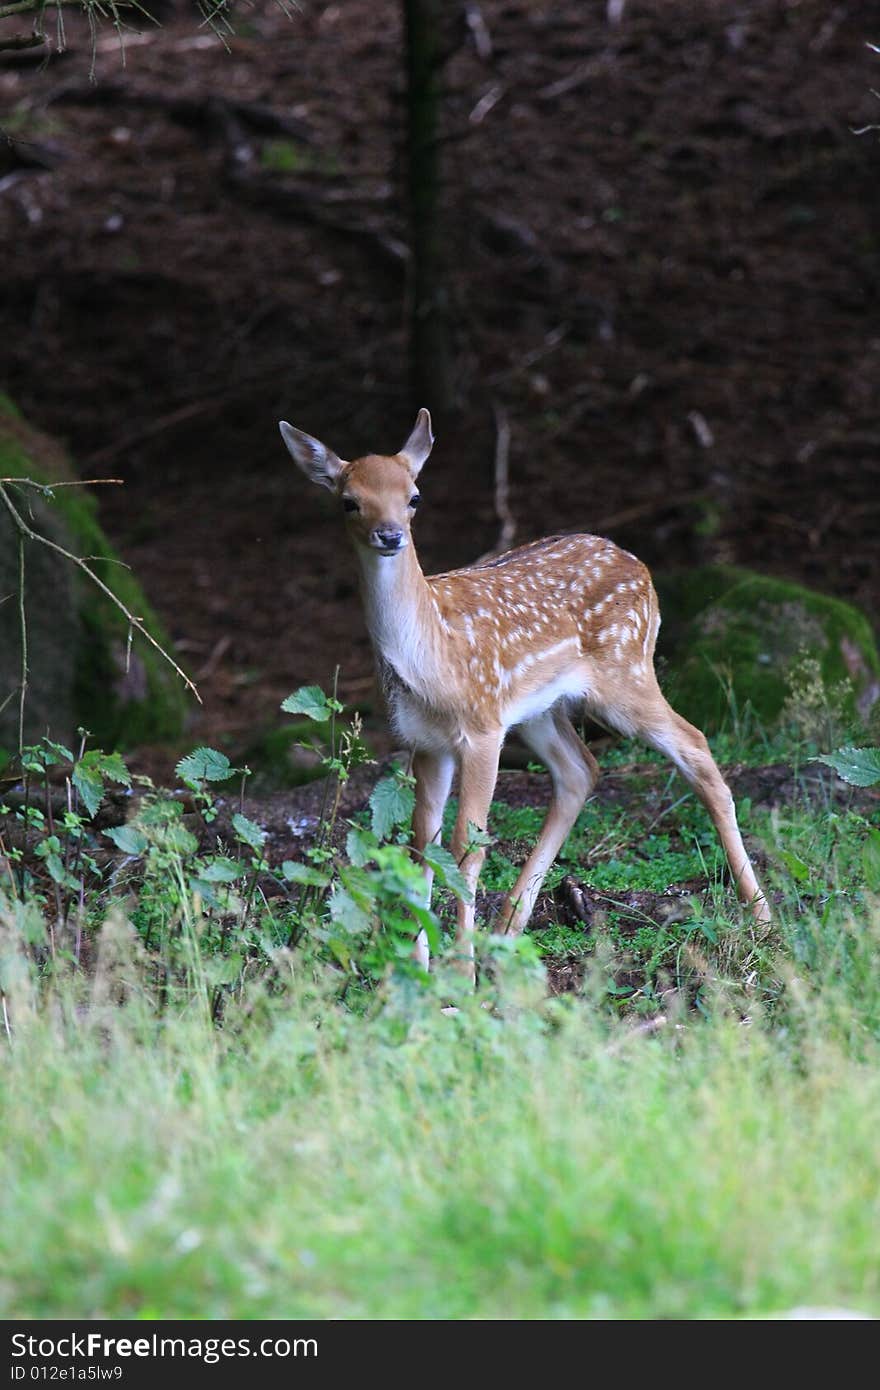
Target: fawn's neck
{"x":402,"y":616}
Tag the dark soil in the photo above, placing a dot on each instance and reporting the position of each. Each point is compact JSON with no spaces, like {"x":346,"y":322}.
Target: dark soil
{"x":663,"y":241}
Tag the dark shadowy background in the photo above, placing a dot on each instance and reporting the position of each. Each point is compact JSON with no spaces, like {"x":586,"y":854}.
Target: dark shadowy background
{"x":661,"y":252}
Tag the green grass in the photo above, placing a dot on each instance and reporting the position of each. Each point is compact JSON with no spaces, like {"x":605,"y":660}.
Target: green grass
{"x":538,"y":1160}
{"x":693,"y":1134}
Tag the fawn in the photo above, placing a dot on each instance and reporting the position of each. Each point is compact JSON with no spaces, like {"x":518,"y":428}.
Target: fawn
{"x":566,"y":622}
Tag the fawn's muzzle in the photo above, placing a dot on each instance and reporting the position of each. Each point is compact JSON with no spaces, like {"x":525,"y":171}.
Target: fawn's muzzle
{"x":387,"y":540}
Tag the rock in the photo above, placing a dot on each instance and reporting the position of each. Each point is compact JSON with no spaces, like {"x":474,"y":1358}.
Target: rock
{"x":722,"y":625}
{"x":77,"y":638}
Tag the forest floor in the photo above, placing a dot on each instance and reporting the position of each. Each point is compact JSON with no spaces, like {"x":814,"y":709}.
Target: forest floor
{"x":663,"y":240}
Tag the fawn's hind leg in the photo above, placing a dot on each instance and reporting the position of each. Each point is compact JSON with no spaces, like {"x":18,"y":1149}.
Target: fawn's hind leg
{"x":574,"y":772}
{"x":658,"y":724}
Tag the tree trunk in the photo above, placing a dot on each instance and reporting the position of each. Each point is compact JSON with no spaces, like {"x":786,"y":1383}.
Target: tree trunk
{"x":429,"y":312}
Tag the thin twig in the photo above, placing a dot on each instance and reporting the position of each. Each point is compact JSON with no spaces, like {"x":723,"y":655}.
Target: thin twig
{"x":29,"y":6}
{"x":479,"y":31}
{"x":71,"y":482}
{"x":502,"y":485}
{"x":25,"y":530}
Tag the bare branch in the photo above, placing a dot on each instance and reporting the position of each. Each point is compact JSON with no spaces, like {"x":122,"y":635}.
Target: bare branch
{"x":26,"y":531}
{"x":32,"y":6}
{"x":71,"y":482}
{"x":19,"y":41}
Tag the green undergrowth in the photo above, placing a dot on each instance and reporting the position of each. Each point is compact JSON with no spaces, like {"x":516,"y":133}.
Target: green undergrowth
{"x":523,"y":1158}
{"x":229,"y":1091}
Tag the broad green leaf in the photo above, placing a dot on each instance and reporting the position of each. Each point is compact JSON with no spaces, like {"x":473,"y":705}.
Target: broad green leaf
{"x":204,"y":765}
{"x":295,"y":872}
{"x":221,"y":870}
{"x":311,"y":701}
{"x":347,"y":913}
{"x":391,"y":804}
{"x":429,"y":921}
{"x":448,"y":873}
{"x":249,"y":832}
{"x":799,"y":871}
{"x":360,"y":846}
{"x":340,"y":950}
{"x":62,"y":754}
{"x":206,"y":891}
{"x":49,"y":850}
{"x":477,"y":838}
{"x":90,"y":785}
{"x":177,"y":838}
{"x":128,"y":839}
{"x":111,"y":765}
{"x":51,"y":845}
{"x":858,"y":766}
{"x":55,"y":865}
{"x":106,"y":765}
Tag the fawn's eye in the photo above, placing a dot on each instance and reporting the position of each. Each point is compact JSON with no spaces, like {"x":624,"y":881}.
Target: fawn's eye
{"x":414,"y":500}
{"x":349,"y":504}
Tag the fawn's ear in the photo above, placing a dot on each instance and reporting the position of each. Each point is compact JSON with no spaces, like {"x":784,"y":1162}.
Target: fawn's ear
{"x":314,"y":458}
{"x":417,"y":448}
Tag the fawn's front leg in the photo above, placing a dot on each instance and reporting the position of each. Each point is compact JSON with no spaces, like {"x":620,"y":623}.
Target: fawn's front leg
{"x":479,"y":773}
{"x":433,"y":774}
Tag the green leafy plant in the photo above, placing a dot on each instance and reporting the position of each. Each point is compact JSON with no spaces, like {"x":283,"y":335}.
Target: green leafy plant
{"x":858,"y":766}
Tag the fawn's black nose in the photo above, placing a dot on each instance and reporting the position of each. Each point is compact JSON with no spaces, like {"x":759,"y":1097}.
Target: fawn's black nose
{"x":388,"y":539}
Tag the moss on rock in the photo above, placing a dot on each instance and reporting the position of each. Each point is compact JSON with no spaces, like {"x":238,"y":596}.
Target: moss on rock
{"x":77,"y":639}
{"x":723,"y":626}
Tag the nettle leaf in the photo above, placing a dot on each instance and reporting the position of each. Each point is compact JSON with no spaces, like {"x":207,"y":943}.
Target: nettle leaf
{"x":295,"y":872}
{"x":347,"y":913}
{"x":430,"y":924}
{"x":448,"y":873}
{"x":175,"y":838}
{"x":858,"y":766}
{"x":360,"y":846}
{"x":61,"y":753}
{"x":32,"y":760}
{"x":128,"y":839}
{"x":90,"y":785}
{"x":49,"y":850}
{"x":204,"y":765}
{"x":51,"y":845}
{"x":111,"y":765}
{"x":311,"y":701}
{"x":477,"y":838}
{"x":391,"y":804}
{"x":55,"y":865}
{"x":221,"y":870}
{"x":249,"y":832}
